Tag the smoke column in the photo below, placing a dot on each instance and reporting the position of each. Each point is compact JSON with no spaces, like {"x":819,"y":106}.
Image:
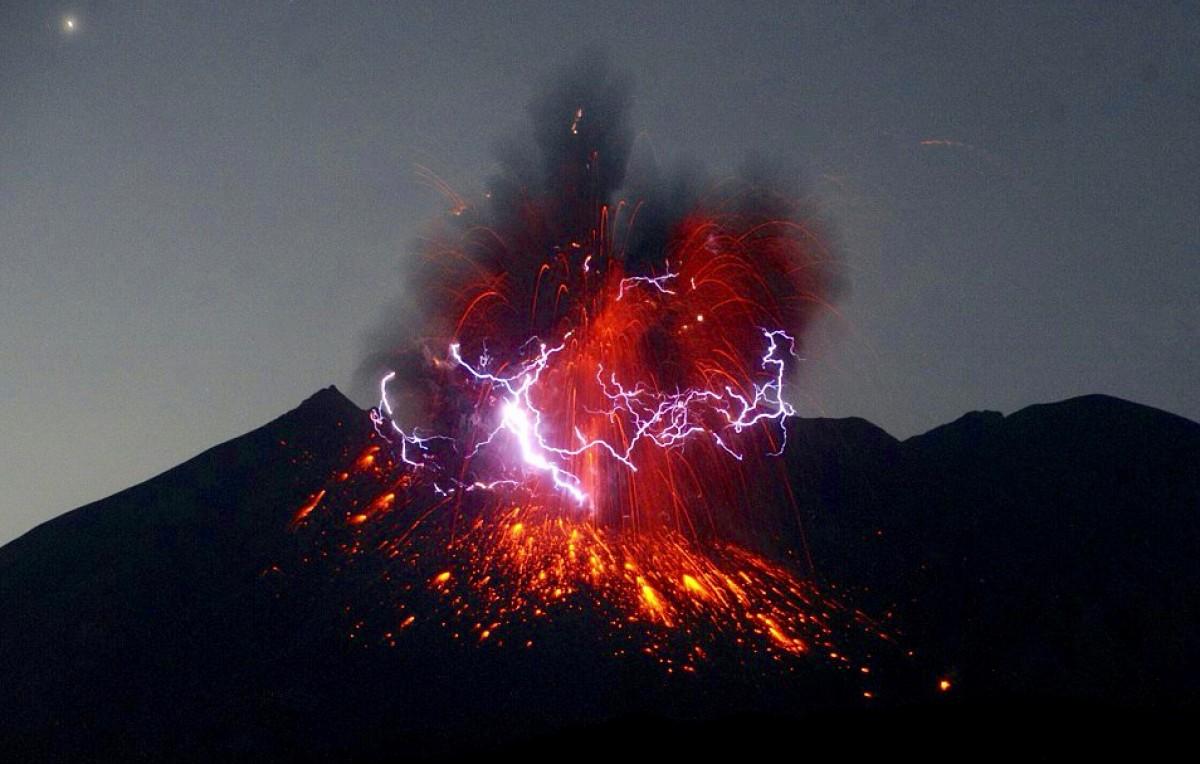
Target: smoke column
{"x":647,"y":284}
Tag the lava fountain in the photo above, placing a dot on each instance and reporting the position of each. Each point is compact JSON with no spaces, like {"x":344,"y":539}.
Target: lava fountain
{"x":598,"y":371}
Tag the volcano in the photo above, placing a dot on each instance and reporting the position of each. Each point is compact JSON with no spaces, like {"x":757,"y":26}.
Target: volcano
{"x":992,"y":568}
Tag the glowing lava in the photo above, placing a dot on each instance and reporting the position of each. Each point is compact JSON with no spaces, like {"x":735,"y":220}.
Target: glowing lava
{"x":515,"y":568}
{"x":594,"y":409}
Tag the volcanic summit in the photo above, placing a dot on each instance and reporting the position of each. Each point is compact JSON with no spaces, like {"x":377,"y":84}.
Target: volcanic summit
{"x":1041,"y":559}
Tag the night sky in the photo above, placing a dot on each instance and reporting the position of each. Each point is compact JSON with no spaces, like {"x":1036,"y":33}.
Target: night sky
{"x":202,"y":205}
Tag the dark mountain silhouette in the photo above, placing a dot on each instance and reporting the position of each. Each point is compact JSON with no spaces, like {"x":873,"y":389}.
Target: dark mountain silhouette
{"x":1042,"y":562}
{"x":1049,"y":553}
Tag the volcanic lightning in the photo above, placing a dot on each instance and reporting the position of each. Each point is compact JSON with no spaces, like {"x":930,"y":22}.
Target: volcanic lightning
{"x":601,"y":377}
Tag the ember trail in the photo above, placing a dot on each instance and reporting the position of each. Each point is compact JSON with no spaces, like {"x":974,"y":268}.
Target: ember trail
{"x":586,"y":376}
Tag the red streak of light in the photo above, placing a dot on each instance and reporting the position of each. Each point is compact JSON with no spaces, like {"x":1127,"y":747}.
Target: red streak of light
{"x":307,"y":509}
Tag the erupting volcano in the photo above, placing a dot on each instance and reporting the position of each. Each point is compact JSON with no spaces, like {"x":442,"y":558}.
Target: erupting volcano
{"x":595,"y":380}
{"x":604,"y":484}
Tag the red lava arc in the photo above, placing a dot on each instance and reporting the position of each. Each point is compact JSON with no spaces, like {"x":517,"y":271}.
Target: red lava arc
{"x":594,"y":414}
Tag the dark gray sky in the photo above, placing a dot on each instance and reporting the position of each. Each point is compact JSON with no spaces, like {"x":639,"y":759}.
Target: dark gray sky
{"x":202,"y":204}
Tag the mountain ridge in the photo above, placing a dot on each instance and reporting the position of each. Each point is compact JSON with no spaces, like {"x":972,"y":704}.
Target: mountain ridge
{"x":1045,"y":554}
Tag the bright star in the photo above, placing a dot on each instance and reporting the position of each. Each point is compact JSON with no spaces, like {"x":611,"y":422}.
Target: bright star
{"x":70,"y":24}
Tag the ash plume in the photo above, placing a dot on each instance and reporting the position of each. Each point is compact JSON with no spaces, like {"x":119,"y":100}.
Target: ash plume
{"x":571,"y":185}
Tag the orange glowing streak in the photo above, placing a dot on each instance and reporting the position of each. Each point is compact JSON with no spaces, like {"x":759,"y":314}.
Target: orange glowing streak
{"x":537,"y":289}
{"x":694,"y":586}
{"x":367,"y":458}
{"x":474,"y":304}
{"x":383,"y":502}
{"x":458,"y":204}
{"x":307,"y":509}
{"x":653,"y":602}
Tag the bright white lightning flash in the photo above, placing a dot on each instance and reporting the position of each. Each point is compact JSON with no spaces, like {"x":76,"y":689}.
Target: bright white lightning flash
{"x":663,"y":420}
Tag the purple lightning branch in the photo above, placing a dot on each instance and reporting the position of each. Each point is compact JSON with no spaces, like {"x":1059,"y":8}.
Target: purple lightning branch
{"x":664,"y":420}
{"x":657,"y":282}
